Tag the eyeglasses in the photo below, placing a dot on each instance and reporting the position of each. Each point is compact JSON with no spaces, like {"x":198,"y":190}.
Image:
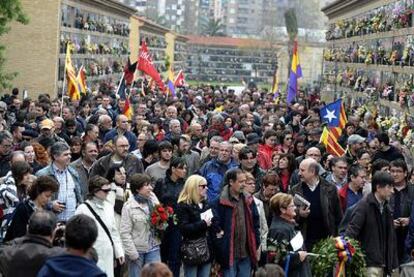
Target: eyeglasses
{"x":203,"y":186}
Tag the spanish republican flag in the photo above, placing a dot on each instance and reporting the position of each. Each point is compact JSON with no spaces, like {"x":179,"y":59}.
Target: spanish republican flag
{"x":72,"y":81}
{"x":170,"y":82}
{"x":81,"y":78}
{"x":295,"y":74}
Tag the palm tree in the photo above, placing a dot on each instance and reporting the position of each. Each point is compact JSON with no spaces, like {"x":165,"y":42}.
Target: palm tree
{"x":213,"y":28}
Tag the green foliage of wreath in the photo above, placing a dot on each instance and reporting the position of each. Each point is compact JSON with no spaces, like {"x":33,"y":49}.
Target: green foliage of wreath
{"x":325,"y":264}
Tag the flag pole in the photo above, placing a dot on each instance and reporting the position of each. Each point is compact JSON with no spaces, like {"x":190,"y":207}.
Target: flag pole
{"x":119,"y":84}
{"x":64,"y":81}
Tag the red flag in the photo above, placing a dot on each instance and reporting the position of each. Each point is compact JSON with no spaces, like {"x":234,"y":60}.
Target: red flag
{"x":179,"y":80}
{"x":145,"y":65}
{"x":129,"y":71}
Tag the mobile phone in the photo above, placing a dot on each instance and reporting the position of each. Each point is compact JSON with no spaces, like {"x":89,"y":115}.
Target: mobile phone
{"x":62,"y":203}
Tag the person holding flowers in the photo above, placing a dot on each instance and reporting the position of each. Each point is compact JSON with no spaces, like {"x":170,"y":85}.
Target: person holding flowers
{"x":138,"y":235}
{"x":167,"y":190}
{"x":192,"y":205}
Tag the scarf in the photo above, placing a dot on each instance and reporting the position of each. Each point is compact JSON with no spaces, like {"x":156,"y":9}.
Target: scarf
{"x":143,"y":200}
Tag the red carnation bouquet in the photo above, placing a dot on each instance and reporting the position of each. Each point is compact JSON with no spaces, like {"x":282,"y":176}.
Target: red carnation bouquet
{"x":161,"y":217}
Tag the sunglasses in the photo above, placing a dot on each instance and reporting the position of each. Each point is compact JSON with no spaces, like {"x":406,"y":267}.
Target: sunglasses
{"x":26,"y":139}
{"x":106,"y":190}
{"x":202,"y":186}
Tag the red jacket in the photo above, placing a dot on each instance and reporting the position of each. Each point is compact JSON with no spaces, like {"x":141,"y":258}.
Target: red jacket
{"x":264,"y":156}
{"x":343,"y":197}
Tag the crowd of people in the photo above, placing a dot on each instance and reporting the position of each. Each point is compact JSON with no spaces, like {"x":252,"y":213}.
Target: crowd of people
{"x":80,"y":182}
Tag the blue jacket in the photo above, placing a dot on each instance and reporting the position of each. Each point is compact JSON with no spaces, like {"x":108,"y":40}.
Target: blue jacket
{"x":132,"y":139}
{"x":48,"y":171}
{"x":224,"y":215}
{"x":214,"y":171}
{"x":70,"y":265}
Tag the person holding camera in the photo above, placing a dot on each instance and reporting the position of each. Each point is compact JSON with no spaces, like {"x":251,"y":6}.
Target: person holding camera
{"x":26,"y":255}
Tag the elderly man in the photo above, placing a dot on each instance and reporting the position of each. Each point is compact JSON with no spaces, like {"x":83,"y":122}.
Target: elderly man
{"x":215,"y":169}
{"x":69,"y":195}
{"x":314,"y":153}
{"x":122,"y":130}
{"x":217,"y":124}
{"x":321,"y":214}
{"x":174,"y":130}
{"x":105,"y":125}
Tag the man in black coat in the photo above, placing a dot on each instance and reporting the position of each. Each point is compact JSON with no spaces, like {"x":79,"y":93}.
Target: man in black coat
{"x":319,"y":218}
{"x":372,"y":225}
{"x":26,"y":255}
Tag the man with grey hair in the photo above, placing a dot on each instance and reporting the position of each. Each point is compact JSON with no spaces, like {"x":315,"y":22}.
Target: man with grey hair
{"x":318,"y":203}
{"x":217,"y":124}
{"x":174,"y":132}
{"x":26,"y":255}
{"x":210,"y":152}
{"x":69,"y":195}
{"x":215,"y":169}
{"x":104,"y":124}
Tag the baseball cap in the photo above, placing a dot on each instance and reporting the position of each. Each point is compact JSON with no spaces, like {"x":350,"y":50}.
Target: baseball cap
{"x":47,"y":124}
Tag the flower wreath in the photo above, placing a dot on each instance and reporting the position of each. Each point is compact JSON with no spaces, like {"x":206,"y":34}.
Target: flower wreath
{"x":340,"y":253}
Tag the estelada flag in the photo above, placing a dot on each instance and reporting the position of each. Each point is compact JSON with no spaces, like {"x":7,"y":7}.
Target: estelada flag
{"x":334,"y":116}
{"x":81,"y":78}
{"x":146,"y":65}
{"x":72,"y":81}
{"x":329,"y":140}
{"x":179,"y":80}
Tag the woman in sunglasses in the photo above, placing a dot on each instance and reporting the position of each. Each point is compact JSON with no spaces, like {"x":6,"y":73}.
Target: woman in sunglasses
{"x":108,"y":242}
{"x":193,"y":226}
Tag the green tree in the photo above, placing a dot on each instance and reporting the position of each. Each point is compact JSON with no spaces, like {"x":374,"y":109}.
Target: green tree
{"x":10,"y":10}
{"x":213,"y":28}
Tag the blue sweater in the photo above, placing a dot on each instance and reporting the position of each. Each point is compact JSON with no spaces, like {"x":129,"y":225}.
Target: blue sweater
{"x":70,"y":265}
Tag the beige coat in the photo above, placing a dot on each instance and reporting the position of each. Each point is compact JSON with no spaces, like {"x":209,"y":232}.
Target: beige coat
{"x":103,"y":244}
{"x":135,"y":227}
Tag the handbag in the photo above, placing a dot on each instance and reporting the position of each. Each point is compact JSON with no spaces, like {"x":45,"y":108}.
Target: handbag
{"x":103,"y":225}
{"x":195,"y":251}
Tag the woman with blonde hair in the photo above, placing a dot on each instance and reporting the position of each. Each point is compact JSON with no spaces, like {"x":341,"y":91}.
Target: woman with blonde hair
{"x":283,"y":229}
{"x":194,"y":220}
